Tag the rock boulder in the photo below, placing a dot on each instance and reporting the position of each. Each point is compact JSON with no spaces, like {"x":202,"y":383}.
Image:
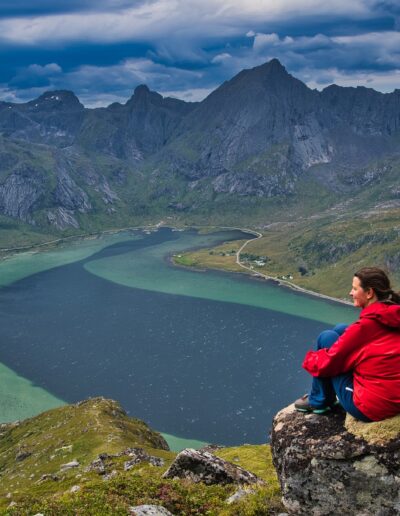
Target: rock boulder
{"x":203,"y":466}
{"x":325,"y":469}
{"x":149,"y":510}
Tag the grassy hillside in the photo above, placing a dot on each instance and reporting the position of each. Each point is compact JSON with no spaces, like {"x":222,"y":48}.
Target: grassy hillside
{"x":321,"y":254}
{"x":33,"y":478}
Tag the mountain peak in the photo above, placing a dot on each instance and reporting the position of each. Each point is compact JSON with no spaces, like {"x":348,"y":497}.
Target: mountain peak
{"x":142,"y":94}
{"x":142,"y":89}
{"x":272,"y":76}
{"x":57,"y":98}
{"x":273,"y":68}
{"x":274,"y":65}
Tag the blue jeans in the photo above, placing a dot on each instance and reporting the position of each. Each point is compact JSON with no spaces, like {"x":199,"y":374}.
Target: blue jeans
{"x":324,"y":390}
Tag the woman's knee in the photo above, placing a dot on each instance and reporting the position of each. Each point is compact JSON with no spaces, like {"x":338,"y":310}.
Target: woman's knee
{"x":340,"y":328}
{"x":326,"y":339}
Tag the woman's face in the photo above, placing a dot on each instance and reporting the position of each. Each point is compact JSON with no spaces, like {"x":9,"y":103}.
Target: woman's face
{"x":361,"y":297}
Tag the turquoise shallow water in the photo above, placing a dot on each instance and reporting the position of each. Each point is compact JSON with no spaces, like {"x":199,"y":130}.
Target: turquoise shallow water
{"x":205,"y":356}
{"x":22,"y":265}
{"x":20,"y":398}
{"x":147,"y":269}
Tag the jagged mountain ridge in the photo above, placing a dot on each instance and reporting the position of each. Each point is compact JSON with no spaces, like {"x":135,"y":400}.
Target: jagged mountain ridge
{"x":253,"y":137}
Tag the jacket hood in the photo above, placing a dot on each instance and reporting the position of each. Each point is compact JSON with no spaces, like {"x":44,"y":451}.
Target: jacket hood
{"x":385,"y":313}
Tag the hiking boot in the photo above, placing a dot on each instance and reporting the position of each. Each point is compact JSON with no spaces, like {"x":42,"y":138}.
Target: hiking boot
{"x":303,"y":405}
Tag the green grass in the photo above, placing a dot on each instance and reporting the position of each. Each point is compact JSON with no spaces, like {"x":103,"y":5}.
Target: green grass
{"x":321,"y":255}
{"x":95,"y":426}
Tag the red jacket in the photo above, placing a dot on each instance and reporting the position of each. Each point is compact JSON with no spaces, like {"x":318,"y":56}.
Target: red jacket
{"x":370,"y":348}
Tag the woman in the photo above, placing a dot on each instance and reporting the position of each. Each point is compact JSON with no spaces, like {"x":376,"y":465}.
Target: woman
{"x":359,"y":365}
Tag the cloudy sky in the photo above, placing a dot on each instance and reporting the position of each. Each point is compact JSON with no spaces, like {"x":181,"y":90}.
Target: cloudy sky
{"x":102,"y":49}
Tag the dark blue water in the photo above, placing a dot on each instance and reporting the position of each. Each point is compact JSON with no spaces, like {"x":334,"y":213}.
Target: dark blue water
{"x":195,"y":368}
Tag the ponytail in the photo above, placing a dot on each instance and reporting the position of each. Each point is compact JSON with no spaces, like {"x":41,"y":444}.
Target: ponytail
{"x":395,"y":297}
{"x":378,"y":281}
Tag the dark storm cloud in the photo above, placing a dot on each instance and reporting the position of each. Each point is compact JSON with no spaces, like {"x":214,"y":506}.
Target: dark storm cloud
{"x":103,"y":49}
{"x":25,"y":8}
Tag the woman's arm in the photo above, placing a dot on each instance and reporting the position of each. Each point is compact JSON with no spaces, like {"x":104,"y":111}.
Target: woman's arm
{"x":343,"y":354}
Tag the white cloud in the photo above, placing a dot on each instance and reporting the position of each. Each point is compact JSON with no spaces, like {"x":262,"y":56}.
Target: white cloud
{"x":221,"y":58}
{"x":168,"y":19}
{"x":383,"y":47}
{"x":384,"y":81}
{"x":300,"y":43}
{"x":48,"y":69}
{"x":391,"y":38}
{"x":265,"y":40}
{"x":133,"y":72}
{"x":367,"y":51}
{"x":36,"y":75}
{"x":190,"y":95}
{"x":130,"y":24}
{"x":8,"y":95}
{"x":182,"y":31}
{"x":101,"y":85}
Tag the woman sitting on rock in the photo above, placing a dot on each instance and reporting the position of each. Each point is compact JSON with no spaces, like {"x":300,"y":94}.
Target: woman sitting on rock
{"x":359,"y":365}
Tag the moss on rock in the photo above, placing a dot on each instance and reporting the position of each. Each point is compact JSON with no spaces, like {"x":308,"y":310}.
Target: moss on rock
{"x":377,"y":432}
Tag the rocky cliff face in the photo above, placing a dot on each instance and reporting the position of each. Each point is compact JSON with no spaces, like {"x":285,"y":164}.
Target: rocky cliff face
{"x":135,"y":130}
{"x":255,"y":136}
{"x":258,"y":133}
{"x":367,"y":112}
{"x":263,"y":122}
{"x":21,"y":191}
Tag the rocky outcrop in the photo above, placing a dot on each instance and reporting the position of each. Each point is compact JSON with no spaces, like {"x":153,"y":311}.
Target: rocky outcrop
{"x":253,"y":184}
{"x":149,"y":510}
{"x":61,"y":218}
{"x":104,"y":462}
{"x":84,"y":170}
{"x":67,"y":193}
{"x":325,"y":469}
{"x":21,"y":191}
{"x":310,"y":144}
{"x":138,"y":455}
{"x":203,"y":466}
{"x":392,"y":260}
{"x":70,"y":465}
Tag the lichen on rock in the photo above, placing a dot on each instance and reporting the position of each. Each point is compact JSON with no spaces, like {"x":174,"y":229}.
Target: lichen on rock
{"x":203,"y":466}
{"x":325,"y":469}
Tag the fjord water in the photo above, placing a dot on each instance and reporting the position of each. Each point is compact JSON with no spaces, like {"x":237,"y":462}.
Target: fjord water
{"x":200,"y":355}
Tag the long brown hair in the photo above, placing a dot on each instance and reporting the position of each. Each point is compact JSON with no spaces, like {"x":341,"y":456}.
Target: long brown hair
{"x":377,"y":279}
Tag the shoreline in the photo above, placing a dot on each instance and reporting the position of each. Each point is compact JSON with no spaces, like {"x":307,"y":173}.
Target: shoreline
{"x":285,"y":283}
{"x":82,"y":236}
{"x":255,"y":275}
{"x":13,"y":251}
